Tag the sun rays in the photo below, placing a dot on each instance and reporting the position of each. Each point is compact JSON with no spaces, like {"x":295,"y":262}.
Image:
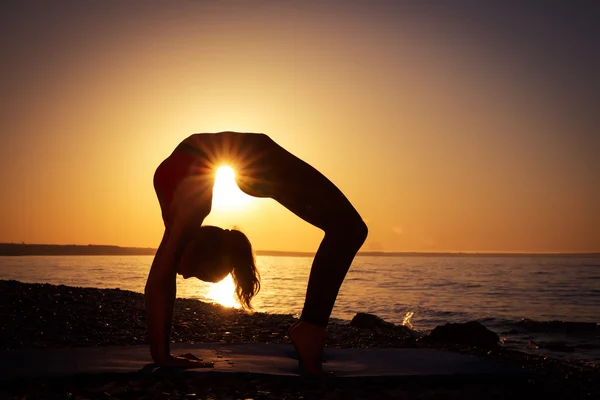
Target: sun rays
{"x":226,"y":194}
{"x":233,"y":164}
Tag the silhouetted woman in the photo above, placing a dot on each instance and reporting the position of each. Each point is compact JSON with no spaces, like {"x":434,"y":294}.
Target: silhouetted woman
{"x":184,"y":184}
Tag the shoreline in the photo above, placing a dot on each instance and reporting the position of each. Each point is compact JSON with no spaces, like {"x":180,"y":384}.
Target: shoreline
{"x":23,"y":249}
{"x":43,"y":315}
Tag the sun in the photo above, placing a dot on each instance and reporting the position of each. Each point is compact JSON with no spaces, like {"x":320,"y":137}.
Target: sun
{"x":226,"y":193}
{"x":223,"y":292}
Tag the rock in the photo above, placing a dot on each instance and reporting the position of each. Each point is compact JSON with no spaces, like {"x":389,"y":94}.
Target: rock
{"x":369,"y":321}
{"x":470,"y":333}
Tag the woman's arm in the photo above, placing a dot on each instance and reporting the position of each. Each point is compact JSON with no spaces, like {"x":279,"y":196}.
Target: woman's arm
{"x":160,"y":295}
{"x":160,"y":300}
{"x":188,"y":210}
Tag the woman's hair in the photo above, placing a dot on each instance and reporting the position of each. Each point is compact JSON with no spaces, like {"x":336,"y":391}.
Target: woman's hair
{"x":229,"y":251}
{"x":245,"y":274}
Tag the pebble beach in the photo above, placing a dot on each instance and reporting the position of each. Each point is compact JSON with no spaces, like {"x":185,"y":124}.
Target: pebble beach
{"x":51,"y":316}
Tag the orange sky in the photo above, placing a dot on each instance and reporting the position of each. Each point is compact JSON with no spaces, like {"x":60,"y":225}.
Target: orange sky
{"x":449,"y":129}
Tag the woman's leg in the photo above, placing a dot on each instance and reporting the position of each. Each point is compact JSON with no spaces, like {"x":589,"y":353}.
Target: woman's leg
{"x":311,"y":196}
{"x":314,"y":198}
{"x":331,"y":263}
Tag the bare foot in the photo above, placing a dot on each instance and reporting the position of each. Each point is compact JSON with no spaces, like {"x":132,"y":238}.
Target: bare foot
{"x":309,"y":341}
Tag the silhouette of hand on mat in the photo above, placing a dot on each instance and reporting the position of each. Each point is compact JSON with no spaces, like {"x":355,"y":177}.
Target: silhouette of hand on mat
{"x":186,"y":360}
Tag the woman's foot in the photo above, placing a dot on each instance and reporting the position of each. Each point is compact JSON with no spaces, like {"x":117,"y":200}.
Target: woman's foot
{"x":309,"y":341}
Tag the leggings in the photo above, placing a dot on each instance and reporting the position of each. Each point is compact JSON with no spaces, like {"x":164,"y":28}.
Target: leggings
{"x":311,"y":196}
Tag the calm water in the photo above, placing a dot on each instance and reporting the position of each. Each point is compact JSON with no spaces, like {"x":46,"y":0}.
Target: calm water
{"x":422,"y":291}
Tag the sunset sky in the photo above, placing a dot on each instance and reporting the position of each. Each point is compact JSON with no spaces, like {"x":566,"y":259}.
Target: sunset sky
{"x":455,"y":127}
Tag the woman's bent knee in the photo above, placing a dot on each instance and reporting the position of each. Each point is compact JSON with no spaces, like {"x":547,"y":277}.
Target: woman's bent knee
{"x":361,"y":231}
{"x":354,"y":231}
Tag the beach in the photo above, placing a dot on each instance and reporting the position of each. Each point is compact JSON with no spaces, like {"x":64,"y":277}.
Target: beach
{"x":418,"y":175}
{"x":51,"y":316}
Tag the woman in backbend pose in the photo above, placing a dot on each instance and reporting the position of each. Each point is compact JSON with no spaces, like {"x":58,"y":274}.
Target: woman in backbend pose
{"x":184,"y":184}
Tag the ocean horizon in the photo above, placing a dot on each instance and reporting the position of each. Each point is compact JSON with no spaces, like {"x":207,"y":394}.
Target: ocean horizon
{"x":41,"y":249}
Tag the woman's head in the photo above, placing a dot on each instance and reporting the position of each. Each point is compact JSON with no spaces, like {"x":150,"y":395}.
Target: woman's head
{"x":212,"y":253}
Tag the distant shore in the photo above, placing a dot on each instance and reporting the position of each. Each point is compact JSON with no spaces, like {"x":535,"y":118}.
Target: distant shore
{"x":25,"y":249}
{"x":21,"y":249}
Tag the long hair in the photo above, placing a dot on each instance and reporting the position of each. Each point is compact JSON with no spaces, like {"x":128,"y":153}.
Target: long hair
{"x":245,"y":274}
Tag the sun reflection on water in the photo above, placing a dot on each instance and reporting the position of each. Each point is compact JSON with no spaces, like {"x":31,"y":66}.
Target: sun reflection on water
{"x":223,"y":292}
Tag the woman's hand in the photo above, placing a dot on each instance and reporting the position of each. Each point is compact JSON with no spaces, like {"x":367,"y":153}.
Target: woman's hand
{"x":186,"y":360}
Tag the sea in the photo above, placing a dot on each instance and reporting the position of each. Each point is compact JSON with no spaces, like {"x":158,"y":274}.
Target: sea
{"x":547,"y":305}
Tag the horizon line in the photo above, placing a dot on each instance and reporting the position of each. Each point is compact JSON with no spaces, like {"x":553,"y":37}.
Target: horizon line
{"x":309,"y":253}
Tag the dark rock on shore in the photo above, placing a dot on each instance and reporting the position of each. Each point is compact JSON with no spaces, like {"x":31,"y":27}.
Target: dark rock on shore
{"x":366,"y":321}
{"x":470,"y":333}
{"x":369,"y":321}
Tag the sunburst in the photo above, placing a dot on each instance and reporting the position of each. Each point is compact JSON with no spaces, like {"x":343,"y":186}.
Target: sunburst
{"x":223,"y":292}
